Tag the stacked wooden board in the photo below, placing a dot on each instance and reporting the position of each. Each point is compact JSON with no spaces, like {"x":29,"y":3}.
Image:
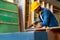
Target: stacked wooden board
{"x":8,"y":17}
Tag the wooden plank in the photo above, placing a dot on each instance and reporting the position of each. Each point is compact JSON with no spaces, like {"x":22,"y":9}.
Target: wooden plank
{"x":21,"y":10}
{"x":43,"y":29}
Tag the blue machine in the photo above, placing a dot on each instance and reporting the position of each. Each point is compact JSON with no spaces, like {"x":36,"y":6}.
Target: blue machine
{"x":42,"y":35}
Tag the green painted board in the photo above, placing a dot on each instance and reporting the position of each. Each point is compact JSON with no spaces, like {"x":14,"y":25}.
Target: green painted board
{"x":8,"y":16}
{"x":8,"y":19}
{"x":5,"y":28}
{"x":8,"y":6}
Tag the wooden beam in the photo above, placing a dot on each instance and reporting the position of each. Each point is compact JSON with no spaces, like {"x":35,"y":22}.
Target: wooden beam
{"x":21,"y":10}
{"x":53,"y":2}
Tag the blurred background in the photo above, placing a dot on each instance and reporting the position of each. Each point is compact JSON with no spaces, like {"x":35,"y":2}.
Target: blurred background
{"x":16,"y":15}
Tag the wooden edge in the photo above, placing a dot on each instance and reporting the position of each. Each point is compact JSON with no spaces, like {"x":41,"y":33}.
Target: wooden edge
{"x":1,"y":22}
{"x":8,"y":10}
{"x":44,"y":29}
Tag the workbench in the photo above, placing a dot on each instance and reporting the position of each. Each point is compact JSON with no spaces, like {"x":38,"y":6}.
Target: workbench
{"x":52,"y":33}
{"x":37,"y":34}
